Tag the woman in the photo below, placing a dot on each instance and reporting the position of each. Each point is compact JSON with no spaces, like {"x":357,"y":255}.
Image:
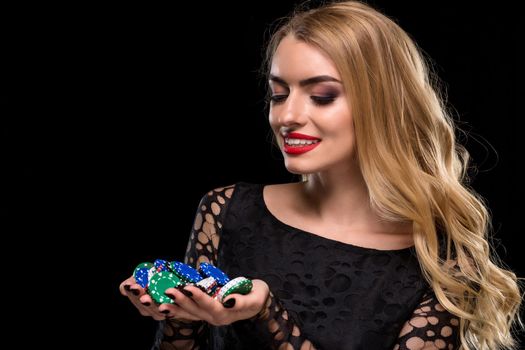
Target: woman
{"x":381,"y":246}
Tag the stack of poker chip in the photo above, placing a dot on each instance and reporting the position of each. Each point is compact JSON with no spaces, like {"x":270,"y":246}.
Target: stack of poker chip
{"x":240,"y":285}
{"x":158,"y":276}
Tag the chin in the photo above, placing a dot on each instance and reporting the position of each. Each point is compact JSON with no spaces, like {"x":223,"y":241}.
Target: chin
{"x":297,"y":170}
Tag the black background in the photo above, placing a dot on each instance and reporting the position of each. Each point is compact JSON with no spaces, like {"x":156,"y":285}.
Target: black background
{"x":116,"y":120}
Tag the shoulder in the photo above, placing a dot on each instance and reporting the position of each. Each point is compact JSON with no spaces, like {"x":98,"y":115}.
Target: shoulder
{"x":217,"y":197}
{"x":225,"y":191}
{"x":221,"y":196}
{"x":244,"y":192}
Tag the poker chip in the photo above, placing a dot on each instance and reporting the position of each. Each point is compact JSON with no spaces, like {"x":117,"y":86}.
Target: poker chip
{"x":240,"y":285}
{"x":209,"y":270}
{"x":161,"y":265}
{"x":159,"y":283}
{"x":141,"y":273}
{"x":216,"y":293}
{"x":187,"y":273}
{"x":141,"y":277}
{"x":146,"y":265}
{"x":151,"y":272}
{"x":207,"y":285}
{"x":160,"y":275}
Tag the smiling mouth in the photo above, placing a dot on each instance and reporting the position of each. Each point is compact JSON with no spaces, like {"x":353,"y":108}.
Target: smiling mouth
{"x":299,"y":146}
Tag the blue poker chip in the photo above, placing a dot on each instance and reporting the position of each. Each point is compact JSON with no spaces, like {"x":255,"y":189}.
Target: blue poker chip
{"x":209,"y":270}
{"x":141,"y":276}
{"x":186,"y":272}
{"x":141,"y":273}
{"x":161,"y":265}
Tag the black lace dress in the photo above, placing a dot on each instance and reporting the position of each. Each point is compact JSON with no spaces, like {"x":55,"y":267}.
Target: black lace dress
{"x":324,"y":294}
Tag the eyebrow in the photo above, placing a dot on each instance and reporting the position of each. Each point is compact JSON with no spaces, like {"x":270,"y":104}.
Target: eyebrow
{"x":305,"y":82}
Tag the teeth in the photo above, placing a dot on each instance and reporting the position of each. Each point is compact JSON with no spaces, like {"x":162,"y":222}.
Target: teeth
{"x":301,"y":142}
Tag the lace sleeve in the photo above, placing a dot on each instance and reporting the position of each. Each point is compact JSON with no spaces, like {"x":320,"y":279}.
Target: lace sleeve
{"x":202,"y":247}
{"x":277,"y":327}
{"x":430,"y":327}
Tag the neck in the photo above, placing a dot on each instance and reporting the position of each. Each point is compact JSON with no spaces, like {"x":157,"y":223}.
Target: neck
{"x":342,"y":198}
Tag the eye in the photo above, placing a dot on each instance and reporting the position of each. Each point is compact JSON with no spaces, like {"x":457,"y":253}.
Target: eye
{"x":278,"y":98}
{"x":323,"y":100}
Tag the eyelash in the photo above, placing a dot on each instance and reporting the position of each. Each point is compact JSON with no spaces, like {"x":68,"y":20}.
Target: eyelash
{"x":318,"y":100}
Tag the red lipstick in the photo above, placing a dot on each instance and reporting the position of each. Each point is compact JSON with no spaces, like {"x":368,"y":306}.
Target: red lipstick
{"x":299,"y":148}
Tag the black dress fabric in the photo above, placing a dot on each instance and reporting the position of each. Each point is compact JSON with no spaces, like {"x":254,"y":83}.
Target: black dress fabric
{"x":325,"y":294}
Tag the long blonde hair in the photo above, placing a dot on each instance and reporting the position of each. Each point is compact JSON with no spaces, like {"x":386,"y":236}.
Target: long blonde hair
{"x":412,"y":165}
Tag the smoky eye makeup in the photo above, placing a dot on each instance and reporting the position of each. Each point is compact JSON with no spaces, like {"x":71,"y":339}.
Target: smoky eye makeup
{"x":324,"y":96}
{"x":328,"y":91}
{"x":276,"y":95}
{"x":276,"y":98}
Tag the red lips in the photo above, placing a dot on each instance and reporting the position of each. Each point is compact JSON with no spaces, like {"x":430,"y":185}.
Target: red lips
{"x":299,"y":149}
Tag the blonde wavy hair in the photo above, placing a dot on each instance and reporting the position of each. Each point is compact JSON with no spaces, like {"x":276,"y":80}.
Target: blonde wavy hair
{"x":413,"y":166}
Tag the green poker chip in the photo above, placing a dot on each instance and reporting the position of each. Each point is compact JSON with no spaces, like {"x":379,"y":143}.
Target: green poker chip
{"x":159,"y":283}
{"x":144,"y":265}
{"x":141,"y":273}
{"x":239,"y":285}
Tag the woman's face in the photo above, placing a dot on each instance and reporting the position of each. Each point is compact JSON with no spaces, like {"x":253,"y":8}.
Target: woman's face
{"x":309,"y":113}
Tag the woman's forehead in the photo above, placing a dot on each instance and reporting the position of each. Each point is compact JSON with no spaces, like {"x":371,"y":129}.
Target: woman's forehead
{"x":294,"y":60}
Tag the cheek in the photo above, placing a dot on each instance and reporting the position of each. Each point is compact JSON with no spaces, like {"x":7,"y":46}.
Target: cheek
{"x":275,"y":128}
{"x":271,"y":118}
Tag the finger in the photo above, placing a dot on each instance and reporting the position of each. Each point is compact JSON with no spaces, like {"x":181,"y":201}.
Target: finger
{"x":199,"y":305}
{"x":200,"y":298}
{"x":251,"y":303}
{"x":146,"y":300}
{"x":175,"y":310}
{"x":137,"y":290}
{"x":146,"y":304}
{"x":231,"y":302}
{"x":124,"y":286}
{"x":140,"y":299}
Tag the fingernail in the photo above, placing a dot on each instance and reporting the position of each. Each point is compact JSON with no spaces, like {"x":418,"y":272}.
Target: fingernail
{"x":127,"y":287}
{"x":147,"y":303}
{"x":165,"y":311}
{"x":135,"y":291}
{"x":229,"y":303}
{"x":170,"y":296}
{"x":186,"y":292}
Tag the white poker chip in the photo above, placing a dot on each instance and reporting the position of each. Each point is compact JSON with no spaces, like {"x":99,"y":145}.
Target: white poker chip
{"x":232,"y":286}
{"x":208,"y":284}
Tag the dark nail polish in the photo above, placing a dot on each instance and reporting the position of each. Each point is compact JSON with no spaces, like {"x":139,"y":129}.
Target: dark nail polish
{"x":186,"y":292}
{"x":127,"y":287}
{"x":135,"y":292}
{"x":147,"y":303}
{"x":170,"y":296}
{"x":229,"y":303}
{"x":165,"y":311}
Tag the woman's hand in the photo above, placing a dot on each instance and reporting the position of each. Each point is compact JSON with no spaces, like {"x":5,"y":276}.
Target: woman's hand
{"x":140,"y":299}
{"x":197,"y":305}
{"x":192,"y":304}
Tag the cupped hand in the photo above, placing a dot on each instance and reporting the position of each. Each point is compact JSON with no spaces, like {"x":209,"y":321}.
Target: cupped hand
{"x":140,"y":299}
{"x":192,"y":304}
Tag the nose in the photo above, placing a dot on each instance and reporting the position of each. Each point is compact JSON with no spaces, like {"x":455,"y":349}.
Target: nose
{"x":292,"y":111}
